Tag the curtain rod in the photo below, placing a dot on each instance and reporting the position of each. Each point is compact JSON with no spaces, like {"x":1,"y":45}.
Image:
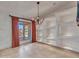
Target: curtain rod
{"x":21,"y":18}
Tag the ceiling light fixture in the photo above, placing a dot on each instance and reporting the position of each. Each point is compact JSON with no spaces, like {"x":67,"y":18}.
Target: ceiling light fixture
{"x":38,"y":12}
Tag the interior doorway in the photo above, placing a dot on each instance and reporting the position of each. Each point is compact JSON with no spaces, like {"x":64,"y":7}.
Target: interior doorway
{"x":24,"y":31}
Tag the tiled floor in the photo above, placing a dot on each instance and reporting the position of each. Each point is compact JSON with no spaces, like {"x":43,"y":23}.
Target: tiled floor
{"x":35,"y":50}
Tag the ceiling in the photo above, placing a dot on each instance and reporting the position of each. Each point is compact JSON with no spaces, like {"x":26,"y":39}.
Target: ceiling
{"x":28,"y":9}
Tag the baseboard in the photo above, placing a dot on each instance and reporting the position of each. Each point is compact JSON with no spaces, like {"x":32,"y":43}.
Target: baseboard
{"x":60,"y":47}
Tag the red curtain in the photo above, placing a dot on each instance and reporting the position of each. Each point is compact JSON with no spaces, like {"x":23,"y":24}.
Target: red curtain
{"x":33,"y":31}
{"x":15,"y":32}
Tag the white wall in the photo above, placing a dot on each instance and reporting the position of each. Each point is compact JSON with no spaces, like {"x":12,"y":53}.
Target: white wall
{"x":69,"y":30}
{"x":60,"y":29}
{"x":6,"y":24}
{"x":5,"y":30}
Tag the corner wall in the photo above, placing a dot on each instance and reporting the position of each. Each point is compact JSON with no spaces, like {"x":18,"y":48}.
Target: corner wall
{"x":60,"y":29}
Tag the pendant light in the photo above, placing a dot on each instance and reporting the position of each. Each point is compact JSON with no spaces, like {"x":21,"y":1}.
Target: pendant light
{"x":38,"y":12}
